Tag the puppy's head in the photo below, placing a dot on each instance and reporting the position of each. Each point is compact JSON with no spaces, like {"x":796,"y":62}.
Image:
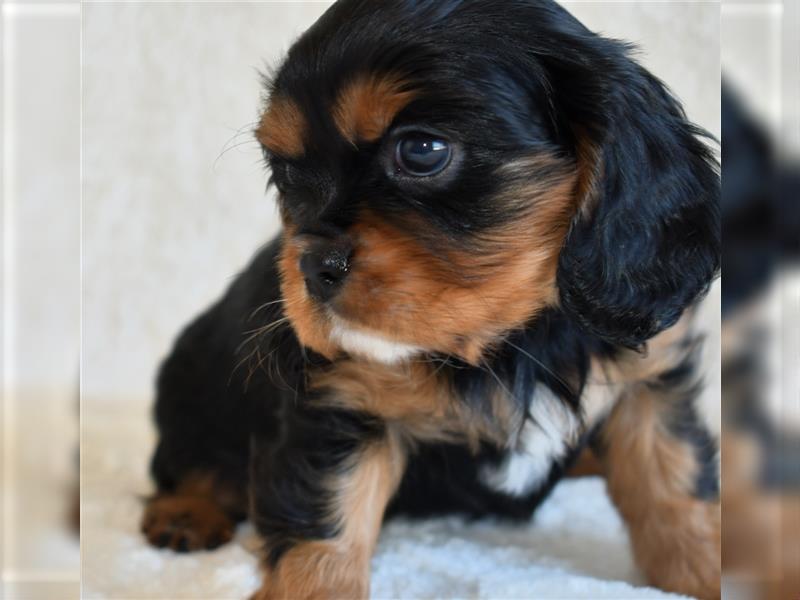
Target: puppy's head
{"x":448,"y":168}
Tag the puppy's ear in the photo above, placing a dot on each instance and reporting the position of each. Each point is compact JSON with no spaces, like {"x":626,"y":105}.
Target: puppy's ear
{"x":646,"y":242}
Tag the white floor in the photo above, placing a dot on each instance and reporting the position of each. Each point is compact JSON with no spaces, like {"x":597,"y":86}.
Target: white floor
{"x":575,"y":548}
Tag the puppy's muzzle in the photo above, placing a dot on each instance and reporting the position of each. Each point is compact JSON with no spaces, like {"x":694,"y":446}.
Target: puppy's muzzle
{"x":325,"y":265}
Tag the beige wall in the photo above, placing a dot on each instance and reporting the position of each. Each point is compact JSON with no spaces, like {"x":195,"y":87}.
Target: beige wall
{"x":168,"y":220}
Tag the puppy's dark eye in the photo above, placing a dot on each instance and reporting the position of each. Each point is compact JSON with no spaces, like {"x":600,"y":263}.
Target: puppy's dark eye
{"x":422,"y":155}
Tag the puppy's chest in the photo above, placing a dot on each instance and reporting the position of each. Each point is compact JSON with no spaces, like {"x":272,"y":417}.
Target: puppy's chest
{"x":418,"y":400}
{"x":425,"y":402}
{"x":548,"y":434}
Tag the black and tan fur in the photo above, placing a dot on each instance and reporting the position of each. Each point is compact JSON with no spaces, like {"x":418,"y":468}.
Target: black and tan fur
{"x":535,"y":286}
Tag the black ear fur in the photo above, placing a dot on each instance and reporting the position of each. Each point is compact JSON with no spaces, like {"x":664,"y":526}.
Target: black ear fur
{"x":647,"y":243}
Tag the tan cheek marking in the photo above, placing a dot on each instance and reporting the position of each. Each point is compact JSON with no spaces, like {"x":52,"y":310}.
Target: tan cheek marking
{"x":339,"y":568}
{"x":462,"y":302}
{"x":283,"y":128}
{"x":366,"y":107}
{"x":459,"y":303}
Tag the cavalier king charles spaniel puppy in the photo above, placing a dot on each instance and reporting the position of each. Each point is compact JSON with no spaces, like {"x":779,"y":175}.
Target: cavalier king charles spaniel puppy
{"x":495,"y":227}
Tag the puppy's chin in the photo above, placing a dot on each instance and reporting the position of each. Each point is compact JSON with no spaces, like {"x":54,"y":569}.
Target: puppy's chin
{"x":368,"y":344}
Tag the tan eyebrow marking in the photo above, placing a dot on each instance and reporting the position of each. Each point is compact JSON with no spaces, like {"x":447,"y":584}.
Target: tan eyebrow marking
{"x":367,"y":105}
{"x":283,"y":128}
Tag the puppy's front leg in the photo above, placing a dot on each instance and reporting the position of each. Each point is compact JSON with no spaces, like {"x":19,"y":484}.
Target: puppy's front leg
{"x":318,"y":500}
{"x":661,"y":468}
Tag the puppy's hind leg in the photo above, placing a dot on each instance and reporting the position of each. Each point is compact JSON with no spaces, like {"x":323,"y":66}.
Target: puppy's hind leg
{"x":200,"y":472}
{"x":201,"y":480}
{"x":200,"y":463}
{"x":200,"y":513}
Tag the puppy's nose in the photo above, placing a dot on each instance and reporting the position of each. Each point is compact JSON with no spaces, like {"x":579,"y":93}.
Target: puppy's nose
{"x":325,"y":265}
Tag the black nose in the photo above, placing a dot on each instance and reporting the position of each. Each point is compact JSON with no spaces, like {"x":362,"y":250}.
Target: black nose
{"x":325,"y":265}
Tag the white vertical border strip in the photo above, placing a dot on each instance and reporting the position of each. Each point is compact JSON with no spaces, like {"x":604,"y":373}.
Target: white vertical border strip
{"x":7,"y":306}
{"x":8,"y":11}
{"x":80,"y":304}
{"x":2,"y":298}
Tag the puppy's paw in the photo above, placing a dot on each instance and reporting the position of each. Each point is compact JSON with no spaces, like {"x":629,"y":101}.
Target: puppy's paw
{"x":186,"y":523}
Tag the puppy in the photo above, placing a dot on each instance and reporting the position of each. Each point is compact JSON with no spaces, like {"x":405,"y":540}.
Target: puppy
{"x":495,"y":224}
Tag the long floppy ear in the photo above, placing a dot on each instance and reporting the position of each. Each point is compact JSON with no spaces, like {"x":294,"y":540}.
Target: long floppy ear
{"x":646,"y":242}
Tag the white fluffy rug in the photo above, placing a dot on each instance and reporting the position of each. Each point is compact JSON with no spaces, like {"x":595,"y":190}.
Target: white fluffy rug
{"x":574,"y":548}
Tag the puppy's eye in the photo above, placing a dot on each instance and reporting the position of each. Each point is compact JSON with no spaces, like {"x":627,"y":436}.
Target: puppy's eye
{"x":422,"y":155}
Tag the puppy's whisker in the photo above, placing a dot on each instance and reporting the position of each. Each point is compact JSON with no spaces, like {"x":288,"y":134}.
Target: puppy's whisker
{"x":239,"y":364}
{"x":246,"y":129}
{"x":489,"y":370}
{"x":268,"y":327}
{"x":228,"y":149}
{"x":258,"y":365}
{"x":255,"y":333}
{"x":265,"y":305}
{"x":256,"y":351}
{"x":443,"y":363}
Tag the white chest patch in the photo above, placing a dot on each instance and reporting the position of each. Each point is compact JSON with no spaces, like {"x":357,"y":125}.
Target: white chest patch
{"x":369,"y":345}
{"x":546,"y":435}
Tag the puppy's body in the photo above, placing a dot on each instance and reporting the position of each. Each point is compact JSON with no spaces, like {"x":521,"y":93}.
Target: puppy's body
{"x":240,"y":352}
{"x":488,"y":243}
